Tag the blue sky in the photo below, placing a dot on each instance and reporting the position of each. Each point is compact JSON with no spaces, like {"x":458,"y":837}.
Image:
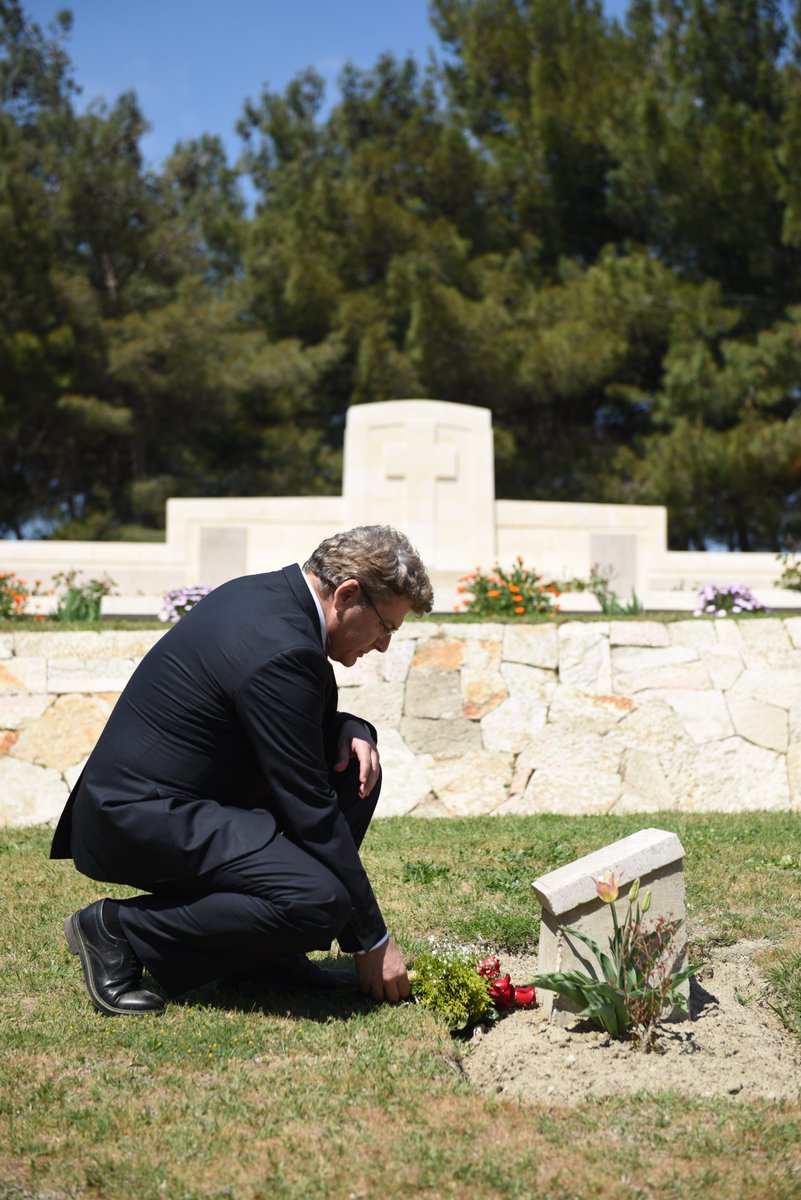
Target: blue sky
{"x":193,"y":64}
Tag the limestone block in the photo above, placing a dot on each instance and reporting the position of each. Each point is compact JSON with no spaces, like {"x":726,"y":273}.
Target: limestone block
{"x":481,"y":631}
{"x":31,"y":795}
{"x":6,"y":645}
{"x":8,"y":739}
{"x":584,"y":660}
{"x":443,"y":739}
{"x":724,"y":664}
{"x":534,"y":645}
{"x":21,"y":675}
{"x":379,"y":702}
{"x":113,"y":643}
{"x":510,"y":726}
{"x":728,"y":633}
{"x":729,"y":776}
{"x":405,"y":782}
{"x":692,"y":676}
{"x":569,"y":791}
{"x":482,"y":691}
{"x":630,"y":660}
{"x":584,"y":710}
{"x":397,"y":660}
{"x":692,"y":633}
{"x":435,"y":694}
{"x":369,"y":669}
{"x":472,"y":785}
{"x":793,"y":627}
{"x":89,"y":674}
{"x":571,"y":771}
{"x":439,"y":654}
{"x":570,"y":902}
{"x":480,"y":654}
{"x":19,"y":707}
{"x":703,"y":715}
{"x":760,"y":723}
{"x":65,"y":734}
{"x":73,"y":774}
{"x":766,"y":636}
{"x":418,"y":631}
{"x":638,"y":633}
{"x":645,"y":786}
{"x":652,"y":727}
{"x":768,"y":685}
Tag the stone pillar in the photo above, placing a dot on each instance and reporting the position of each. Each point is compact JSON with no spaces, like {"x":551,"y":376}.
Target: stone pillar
{"x":570,"y":901}
{"x":427,"y":468}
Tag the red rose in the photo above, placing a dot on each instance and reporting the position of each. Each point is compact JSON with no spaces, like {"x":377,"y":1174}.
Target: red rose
{"x":525,"y":996}
{"x":489,"y":967}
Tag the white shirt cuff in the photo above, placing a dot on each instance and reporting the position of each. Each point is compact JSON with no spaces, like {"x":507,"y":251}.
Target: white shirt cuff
{"x":384,"y":939}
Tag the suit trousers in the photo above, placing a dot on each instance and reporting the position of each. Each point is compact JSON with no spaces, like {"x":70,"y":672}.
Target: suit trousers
{"x":277,"y":899}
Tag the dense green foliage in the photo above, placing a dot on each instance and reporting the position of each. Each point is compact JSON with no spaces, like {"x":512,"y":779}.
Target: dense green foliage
{"x":591,"y":227}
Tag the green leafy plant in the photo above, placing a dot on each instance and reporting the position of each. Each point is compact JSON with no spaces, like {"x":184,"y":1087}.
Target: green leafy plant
{"x":790,"y":577}
{"x":465,"y":988}
{"x":637,"y":979}
{"x":599,"y":585}
{"x":517,"y":592}
{"x":80,"y":601}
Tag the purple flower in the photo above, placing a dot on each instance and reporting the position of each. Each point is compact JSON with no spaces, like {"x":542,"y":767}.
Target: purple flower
{"x":179,"y":601}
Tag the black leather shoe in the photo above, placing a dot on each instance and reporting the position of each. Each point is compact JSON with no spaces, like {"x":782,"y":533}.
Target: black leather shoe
{"x":111,"y":970}
{"x":290,"y":972}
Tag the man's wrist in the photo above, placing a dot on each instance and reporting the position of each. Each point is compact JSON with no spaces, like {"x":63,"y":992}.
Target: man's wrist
{"x":382,"y":942}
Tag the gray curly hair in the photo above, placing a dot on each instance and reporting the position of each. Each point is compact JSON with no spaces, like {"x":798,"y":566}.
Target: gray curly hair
{"x":381,"y":558}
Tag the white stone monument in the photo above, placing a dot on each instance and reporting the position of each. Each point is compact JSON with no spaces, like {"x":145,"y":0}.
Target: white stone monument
{"x":426,"y":467}
{"x":570,"y":901}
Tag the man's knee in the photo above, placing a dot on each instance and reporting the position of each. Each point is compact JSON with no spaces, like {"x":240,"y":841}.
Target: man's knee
{"x":322,"y":907}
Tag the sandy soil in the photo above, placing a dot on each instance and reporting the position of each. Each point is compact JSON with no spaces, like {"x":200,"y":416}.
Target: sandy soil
{"x":733,"y":1044}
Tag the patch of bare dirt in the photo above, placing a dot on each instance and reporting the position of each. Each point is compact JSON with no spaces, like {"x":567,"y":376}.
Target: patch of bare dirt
{"x":733,"y":1044}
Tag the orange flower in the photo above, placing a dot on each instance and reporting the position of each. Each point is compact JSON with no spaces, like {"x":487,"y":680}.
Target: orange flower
{"x":520,"y":558}
{"x":520,"y":608}
{"x":513,"y":587}
{"x":459,"y":589}
{"x":493,"y":595}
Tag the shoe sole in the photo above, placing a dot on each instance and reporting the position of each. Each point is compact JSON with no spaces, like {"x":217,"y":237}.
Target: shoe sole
{"x":77,"y":945}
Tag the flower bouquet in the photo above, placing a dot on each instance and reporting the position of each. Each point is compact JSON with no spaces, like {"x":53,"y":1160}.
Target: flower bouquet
{"x":465,"y":986}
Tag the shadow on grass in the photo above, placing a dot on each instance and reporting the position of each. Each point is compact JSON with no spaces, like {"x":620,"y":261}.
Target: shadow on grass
{"x":340,"y":1004}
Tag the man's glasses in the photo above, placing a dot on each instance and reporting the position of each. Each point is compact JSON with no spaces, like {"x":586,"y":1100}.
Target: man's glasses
{"x":388,"y":629}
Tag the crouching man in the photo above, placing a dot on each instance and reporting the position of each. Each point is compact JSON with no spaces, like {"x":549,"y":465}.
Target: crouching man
{"x":228,"y":788}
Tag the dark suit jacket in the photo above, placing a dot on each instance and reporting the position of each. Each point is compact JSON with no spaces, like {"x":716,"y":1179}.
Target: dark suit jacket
{"x":222,"y":737}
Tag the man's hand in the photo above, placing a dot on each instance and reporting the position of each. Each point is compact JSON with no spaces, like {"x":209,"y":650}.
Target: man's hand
{"x":355,"y":741}
{"x":382,"y":973}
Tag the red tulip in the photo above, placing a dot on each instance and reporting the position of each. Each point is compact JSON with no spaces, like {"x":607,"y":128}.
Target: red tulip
{"x":525,"y":996}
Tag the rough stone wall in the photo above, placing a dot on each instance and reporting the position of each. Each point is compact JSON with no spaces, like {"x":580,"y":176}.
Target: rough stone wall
{"x":584,"y":717}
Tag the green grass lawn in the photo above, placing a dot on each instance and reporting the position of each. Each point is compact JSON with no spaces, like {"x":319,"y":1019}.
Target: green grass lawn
{"x":338,"y":1097}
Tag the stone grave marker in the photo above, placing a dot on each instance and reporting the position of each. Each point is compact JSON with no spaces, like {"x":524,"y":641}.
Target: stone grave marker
{"x":570,"y":901}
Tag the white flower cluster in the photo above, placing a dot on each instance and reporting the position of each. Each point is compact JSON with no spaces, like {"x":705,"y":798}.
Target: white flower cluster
{"x":449,"y":952}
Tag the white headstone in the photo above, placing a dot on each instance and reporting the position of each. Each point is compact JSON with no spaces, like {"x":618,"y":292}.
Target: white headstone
{"x":426,"y":467}
{"x":570,"y":901}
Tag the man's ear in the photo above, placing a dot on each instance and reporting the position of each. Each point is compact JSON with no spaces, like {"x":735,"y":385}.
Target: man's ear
{"x":346,"y":593}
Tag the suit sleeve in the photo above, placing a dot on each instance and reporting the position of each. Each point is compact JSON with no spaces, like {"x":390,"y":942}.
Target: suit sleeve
{"x":282,"y":708}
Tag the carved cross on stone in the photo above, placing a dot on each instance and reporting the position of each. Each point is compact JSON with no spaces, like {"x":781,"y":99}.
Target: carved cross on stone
{"x":422,"y":462}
